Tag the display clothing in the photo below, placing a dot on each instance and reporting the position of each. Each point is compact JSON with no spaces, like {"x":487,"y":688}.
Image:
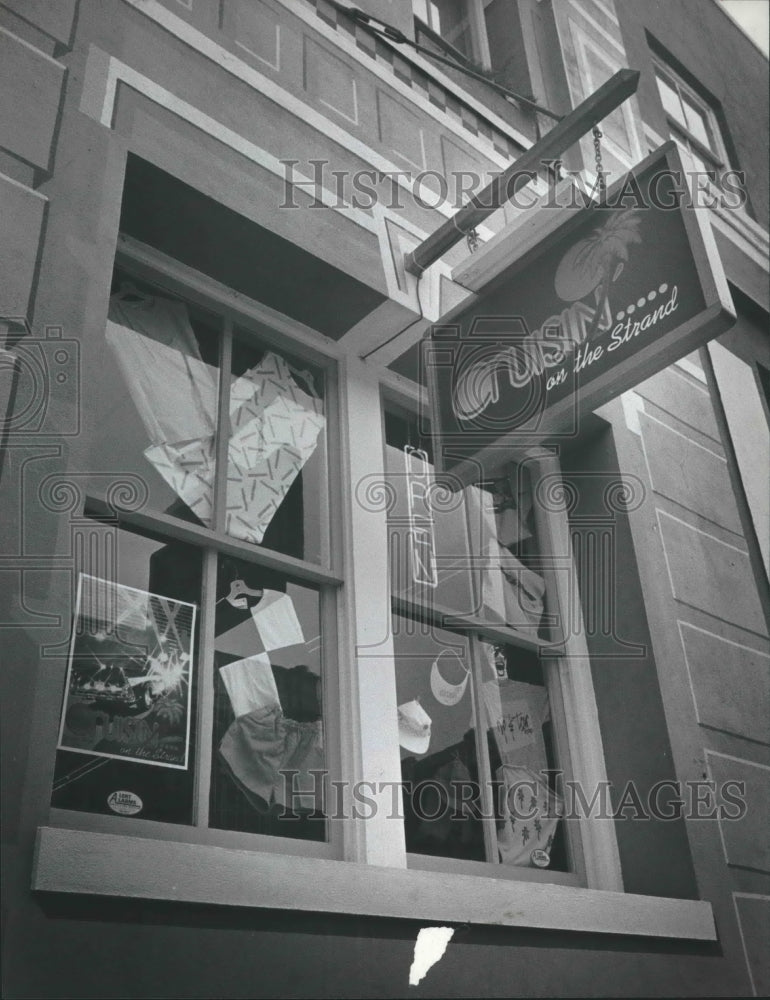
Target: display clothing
{"x":174,"y":391}
{"x":275,"y":423}
{"x":528,"y":810}
{"x":530,"y":817}
{"x":262,"y":746}
{"x":516,"y":713}
{"x":250,"y":684}
{"x":276,"y":621}
{"x":275,"y":430}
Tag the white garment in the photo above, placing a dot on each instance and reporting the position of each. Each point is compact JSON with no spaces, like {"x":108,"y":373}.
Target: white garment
{"x":174,"y":391}
{"x":277,"y":621}
{"x":275,"y":429}
{"x":250,"y":684}
{"x":531,"y":813}
{"x":515,"y":713}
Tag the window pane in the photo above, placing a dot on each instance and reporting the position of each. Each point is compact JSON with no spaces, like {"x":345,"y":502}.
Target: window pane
{"x":502,"y":527}
{"x":155,"y":400}
{"x":671,"y":103}
{"x":267,"y":705}
{"x":696,"y":122}
{"x":428,"y":529}
{"x":128,"y":716}
{"x":276,"y":468}
{"x":449,"y":18}
{"x":690,"y":159}
{"x":442,"y":803}
{"x":521,"y":755}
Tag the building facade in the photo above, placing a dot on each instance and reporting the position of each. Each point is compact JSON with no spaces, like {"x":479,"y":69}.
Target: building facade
{"x":275,"y":697}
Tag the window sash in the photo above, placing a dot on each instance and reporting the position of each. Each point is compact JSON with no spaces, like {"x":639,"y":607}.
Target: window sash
{"x":691,"y":119}
{"x":363,"y":689}
{"x":212,"y":541}
{"x":472,"y":24}
{"x":592,"y":843}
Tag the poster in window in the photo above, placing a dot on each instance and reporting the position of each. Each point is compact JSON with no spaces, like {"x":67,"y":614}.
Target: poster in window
{"x":129,"y":676}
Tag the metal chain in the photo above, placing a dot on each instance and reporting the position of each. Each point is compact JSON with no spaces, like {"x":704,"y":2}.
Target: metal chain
{"x":601,"y":177}
{"x":473,"y":240}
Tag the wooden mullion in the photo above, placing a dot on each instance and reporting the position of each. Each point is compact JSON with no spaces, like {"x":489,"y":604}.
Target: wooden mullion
{"x":444,"y":618}
{"x":569,"y":678}
{"x":205,"y":729}
{"x":223,"y":429}
{"x":209,"y":590}
{"x":484,"y":767}
{"x":172,"y":528}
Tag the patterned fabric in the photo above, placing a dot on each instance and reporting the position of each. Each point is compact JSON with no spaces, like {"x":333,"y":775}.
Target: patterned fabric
{"x":275,"y":431}
{"x":516,"y":713}
{"x":188,"y":468}
{"x":275,"y":428}
{"x":531,"y":813}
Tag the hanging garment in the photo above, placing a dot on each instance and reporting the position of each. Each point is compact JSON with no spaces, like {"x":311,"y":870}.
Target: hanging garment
{"x":250,"y":684}
{"x":261,"y":747}
{"x":276,"y":620}
{"x":188,"y":468}
{"x":530,"y":816}
{"x":516,"y":713}
{"x":174,"y":391}
{"x":275,"y":428}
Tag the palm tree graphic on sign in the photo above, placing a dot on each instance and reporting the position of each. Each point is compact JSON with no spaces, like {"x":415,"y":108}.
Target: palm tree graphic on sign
{"x":593,"y":263}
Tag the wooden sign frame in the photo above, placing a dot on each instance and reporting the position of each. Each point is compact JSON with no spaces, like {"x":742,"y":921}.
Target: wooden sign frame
{"x":473,"y":446}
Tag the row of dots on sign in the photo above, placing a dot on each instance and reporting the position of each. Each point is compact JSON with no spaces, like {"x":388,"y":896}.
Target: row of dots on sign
{"x":643,"y":301}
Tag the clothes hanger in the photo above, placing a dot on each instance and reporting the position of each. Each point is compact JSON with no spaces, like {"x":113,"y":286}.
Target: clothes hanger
{"x":239,"y":591}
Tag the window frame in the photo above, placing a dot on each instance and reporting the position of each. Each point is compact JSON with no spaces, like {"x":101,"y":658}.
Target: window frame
{"x":592,"y":844}
{"x":115,"y":856}
{"x":715,"y":158}
{"x":480,"y":56}
{"x":272,"y":331}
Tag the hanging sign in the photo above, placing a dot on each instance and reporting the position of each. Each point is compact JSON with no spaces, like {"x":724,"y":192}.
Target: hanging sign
{"x":604,"y":298}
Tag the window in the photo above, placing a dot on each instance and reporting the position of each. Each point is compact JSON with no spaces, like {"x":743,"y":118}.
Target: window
{"x":483,"y":738}
{"x":230,"y":690}
{"x":198,"y":683}
{"x":457,"y":26}
{"x":692,"y":121}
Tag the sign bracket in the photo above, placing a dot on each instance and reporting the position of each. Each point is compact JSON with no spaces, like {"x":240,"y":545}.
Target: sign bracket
{"x":503,"y":187}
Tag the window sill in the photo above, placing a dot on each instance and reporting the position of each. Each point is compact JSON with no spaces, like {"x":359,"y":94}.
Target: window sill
{"x":100,"y":864}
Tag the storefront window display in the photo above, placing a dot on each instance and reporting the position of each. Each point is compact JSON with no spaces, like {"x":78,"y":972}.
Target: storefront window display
{"x":194,"y":689}
{"x":478,"y":756}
